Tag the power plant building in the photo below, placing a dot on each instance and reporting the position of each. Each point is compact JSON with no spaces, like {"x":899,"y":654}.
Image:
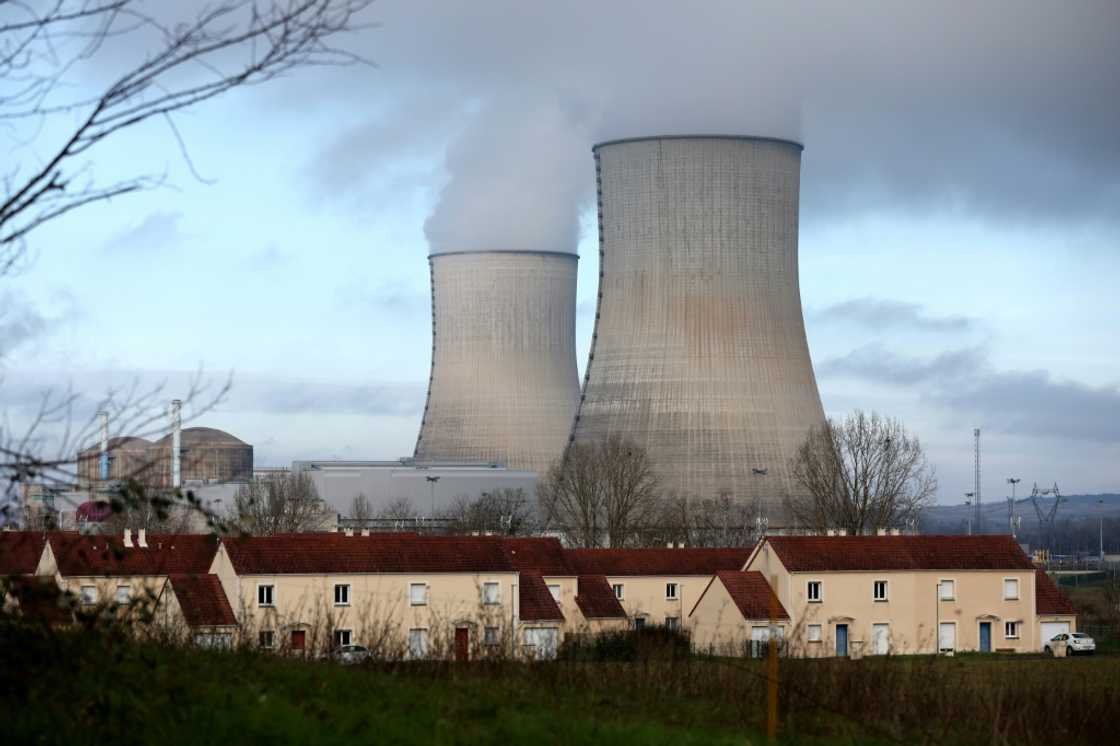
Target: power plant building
{"x":504,"y":385}
{"x":699,"y":353}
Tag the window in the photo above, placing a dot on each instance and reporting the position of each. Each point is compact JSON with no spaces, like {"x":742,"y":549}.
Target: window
{"x":490,"y":593}
{"x":1010,"y":589}
{"x":639,"y":622}
{"x":541,"y":641}
{"x":264,"y":595}
{"x":342,"y":595}
{"x":490,"y":636}
{"x":555,"y":591}
{"x":879,"y":590}
{"x":947,"y":590}
{"x":341,"y":637}
{"x":266,"y":638}
{"x":89,"y":595}
{"x":670,"y":591}
{"x":619,"y":591}
{"x":814,"y":591}
{"x":417,"y":643}
{"x":814,"y":633}
{"x":418,"y":594}
{"x":672,"y":623}
{"x":1011,"y":630}
{"x":124,"y":594}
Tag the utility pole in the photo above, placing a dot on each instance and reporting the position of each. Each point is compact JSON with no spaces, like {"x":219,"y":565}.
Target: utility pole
{"x":976,"y":489}
{"x":1100,"y":502}
{"x":1011,"y":504}
{"x":968,"y":501}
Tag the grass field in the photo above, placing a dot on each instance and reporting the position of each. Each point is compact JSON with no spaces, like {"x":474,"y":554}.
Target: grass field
{"x":100,"y":688}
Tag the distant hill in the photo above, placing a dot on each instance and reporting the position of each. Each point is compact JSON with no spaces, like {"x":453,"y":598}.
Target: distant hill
{"x":1073,"y":507}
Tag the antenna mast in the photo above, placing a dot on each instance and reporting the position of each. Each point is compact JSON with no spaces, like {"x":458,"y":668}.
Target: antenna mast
{"x":979,"y":514}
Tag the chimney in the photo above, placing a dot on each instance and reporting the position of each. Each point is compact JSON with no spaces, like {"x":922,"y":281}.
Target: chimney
{"x":880,"y":532}
{"x":669,"y":545}
{"x":142,"y":539}
{"x":841,"y":532}
{"x":365,"y":532}
{"x":895,"y":532}
{"x":176,"y":444}
{"x":348,"y":531}
{"x":128,"y":538}
{"x":830,"y":532}
{"x":680,"y":545}
{"x":103,"y":460}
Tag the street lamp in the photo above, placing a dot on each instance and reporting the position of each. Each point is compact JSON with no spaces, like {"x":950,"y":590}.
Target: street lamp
{"x":432,"y":483}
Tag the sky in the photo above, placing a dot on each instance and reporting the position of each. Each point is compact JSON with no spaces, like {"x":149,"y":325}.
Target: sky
{"x":960,"y":216}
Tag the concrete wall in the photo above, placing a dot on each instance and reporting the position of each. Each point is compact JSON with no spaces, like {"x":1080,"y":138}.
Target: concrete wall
{"x":699,"y":353}
{"x":504,"y":385}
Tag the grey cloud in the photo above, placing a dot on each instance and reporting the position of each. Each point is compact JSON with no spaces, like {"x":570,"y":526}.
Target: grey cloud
{"x":21,"y":321}
{"x":1004,"y":110}
{"x":324,"y":398}
{"x":156,"y":232}
{"x":881,"y":315}
{"x":964,"y":383}
{"x":877,"y":364}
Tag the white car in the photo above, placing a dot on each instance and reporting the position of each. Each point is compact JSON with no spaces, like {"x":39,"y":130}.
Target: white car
{"x":349,"y":654}
{"x":1071,"y":643}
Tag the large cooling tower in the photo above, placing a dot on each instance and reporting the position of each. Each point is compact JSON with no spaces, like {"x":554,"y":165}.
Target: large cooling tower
{"x":504,"y":385}
{"x":699,"y":352}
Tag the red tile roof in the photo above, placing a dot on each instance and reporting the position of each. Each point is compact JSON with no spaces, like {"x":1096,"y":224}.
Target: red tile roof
{"x":544,"y":554}
{"x":596,"y":600}
{"x":1048,"y":597}
{"x":751,"y":593}
{"x":203,"y":601}
{"x":376,"y":553}
{"x":687,"y":561}
{"x":536,"y":604}
{"x":166,"y":554}
{"x":841,"y":553}
{"x":20,"y":551}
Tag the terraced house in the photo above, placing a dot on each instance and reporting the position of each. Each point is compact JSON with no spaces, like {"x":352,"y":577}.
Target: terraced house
{"x":874,"y":595}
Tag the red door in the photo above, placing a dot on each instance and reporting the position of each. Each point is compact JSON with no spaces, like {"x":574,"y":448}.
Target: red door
{"x":462,"y":644}
{"x":299,"y":639}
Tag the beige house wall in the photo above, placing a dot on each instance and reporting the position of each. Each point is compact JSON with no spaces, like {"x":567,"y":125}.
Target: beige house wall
{"x":912,"y":610}
{"x":718,"y":627}
{"x":645,"y":595}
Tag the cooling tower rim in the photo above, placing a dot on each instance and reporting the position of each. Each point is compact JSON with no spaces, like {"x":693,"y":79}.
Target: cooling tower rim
{"x":750,"y":138}
{"x":504,"y":251}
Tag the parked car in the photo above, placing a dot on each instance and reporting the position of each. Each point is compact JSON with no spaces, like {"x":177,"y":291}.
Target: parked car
{"x":350,"y":654}
{"x":1071,"y":643}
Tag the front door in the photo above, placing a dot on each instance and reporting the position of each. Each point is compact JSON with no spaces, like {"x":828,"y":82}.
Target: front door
{"x":947,"y":637}
{"x":881,"y":639}
{"x":842,"y":640}
{"x":462,"y":643}
{"x":985,"y":637}
{"x":299,"y":639}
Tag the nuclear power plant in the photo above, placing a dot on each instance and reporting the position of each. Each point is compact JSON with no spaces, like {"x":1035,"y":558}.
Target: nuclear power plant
{"x":699,"y":353}
{"x":504,"y":385}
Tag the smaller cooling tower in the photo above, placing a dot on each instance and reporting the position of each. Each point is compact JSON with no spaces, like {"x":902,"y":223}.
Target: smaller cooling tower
{"x":504,"y":385}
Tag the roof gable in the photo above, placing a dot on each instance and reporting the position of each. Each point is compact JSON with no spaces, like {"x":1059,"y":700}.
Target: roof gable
{"x":202,"y":600}
{"x":752,"y":595}
{"x":377,"y":553}
{"x":855,"y":553}
{"x":20,"y":551}
{"x":596,"y":600}
{"x":665,"y":562}
{"x":535,"y":602}
{"x":165,"y":554}
{"x":1048,"y":597}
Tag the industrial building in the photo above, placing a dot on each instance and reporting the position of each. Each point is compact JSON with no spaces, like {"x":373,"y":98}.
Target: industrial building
{"x":699,"y":353}
{"x":428,"y":487}
{"x":207,"y":456}
{"x":504,"y":385}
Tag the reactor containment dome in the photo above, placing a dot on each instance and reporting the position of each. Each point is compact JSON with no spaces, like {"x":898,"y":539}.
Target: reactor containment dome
{"x":504,"y":385}
{"x":699,"y":353}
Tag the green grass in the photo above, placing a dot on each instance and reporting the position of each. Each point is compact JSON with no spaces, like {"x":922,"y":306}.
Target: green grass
{"x":100,"y":688}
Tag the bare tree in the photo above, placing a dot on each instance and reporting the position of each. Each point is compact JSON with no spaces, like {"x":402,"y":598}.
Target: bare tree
{"x":360,"y":509}
{"x":860,"y":475}
{"x":502,"y":511}
{"x":161,"y":62}
{"x":286,"y":503}
{"x":714,"y":522}
{"x":401,"y":509}
{"x":600,"y":493}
